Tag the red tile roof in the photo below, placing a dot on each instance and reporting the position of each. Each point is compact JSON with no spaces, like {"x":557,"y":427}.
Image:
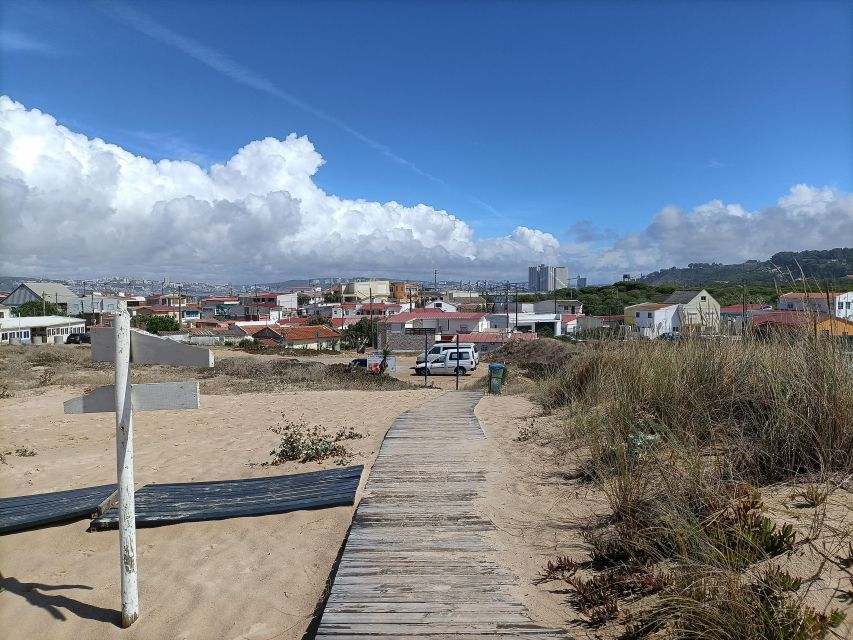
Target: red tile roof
{"x":294,"y":321}
{"x":495,"y":337}
{"x":311,"y":332}
{"x":786,"y":318}
{"x":568,"y":317}
{"x":810,"y":295}
{"x":340,"y":323}
{"x":738,"y":308}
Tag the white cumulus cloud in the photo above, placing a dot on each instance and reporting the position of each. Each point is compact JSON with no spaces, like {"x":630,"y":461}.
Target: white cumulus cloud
{"x":78,"y":205}
{"x":75,"y":206}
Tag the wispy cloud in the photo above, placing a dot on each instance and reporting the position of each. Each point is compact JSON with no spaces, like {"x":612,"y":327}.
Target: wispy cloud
{"x":241,"y":74}
{"x":167,"y":145}
{"x":18,"y":42}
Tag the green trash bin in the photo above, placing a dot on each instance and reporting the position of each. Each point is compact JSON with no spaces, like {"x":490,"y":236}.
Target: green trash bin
{"x":497,"y":372}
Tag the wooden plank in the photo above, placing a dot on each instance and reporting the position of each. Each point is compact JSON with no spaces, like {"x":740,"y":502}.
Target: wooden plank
{"x":417,"y":559}
{"x":162,"y":396}
{"x":146,"y":348}
{"x":162,"y":504}
{"x":26,"y":512}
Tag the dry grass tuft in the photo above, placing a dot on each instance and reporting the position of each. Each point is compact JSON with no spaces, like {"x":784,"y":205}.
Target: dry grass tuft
{"x":681,"y":437}
{"x":29,"y":367}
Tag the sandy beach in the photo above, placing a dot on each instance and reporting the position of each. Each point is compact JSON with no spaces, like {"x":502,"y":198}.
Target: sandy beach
{"x":241,"y":578}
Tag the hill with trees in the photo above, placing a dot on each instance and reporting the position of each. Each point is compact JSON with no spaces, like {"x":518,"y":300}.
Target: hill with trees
{"x":831,"y":266}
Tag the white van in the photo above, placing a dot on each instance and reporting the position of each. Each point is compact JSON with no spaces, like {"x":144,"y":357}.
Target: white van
{"x":440,"y":347}
{"x":447,"y":363}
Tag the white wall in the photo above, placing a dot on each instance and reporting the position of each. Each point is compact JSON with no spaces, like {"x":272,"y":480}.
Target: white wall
{"x":664,"y":320}
{"x":844,"y":306}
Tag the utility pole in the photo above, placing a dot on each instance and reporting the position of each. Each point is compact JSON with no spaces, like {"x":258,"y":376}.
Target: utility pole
{"x":43,"y":304}
{"x":506,"y":306}
{"x":516,"y":306}
{"x":743,"y":303}
{"x":435,"y":281}
{"x":372,"y":331}
{"x":180,"y":287}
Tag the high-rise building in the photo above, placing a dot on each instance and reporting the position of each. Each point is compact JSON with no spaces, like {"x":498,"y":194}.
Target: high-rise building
{"x":547,"y":278}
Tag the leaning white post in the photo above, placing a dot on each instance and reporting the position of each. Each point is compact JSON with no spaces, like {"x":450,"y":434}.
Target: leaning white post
{"x":124,"y":461}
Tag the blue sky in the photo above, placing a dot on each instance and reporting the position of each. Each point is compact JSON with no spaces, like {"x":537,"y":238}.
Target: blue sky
{"x":543,"y":114}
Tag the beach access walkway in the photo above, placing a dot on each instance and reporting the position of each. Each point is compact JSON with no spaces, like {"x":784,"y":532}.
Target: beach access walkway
{"x":418,"y":561}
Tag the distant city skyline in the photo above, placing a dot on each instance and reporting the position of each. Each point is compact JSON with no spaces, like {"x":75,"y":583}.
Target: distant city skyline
{"x":608,"y":136}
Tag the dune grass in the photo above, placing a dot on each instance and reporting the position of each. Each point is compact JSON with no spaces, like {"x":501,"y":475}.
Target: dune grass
{"x":681,"y":437}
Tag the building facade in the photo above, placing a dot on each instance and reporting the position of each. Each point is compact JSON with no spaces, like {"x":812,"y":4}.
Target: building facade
{"x":547,"y":278}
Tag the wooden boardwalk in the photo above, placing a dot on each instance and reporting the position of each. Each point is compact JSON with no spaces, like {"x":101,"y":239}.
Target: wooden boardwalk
{"x":417,"y":561}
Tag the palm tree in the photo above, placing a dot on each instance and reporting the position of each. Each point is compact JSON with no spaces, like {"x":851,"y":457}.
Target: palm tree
{"x":384,"y":364}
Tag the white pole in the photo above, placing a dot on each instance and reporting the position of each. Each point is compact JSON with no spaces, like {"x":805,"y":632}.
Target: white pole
{"x":124,"y":462}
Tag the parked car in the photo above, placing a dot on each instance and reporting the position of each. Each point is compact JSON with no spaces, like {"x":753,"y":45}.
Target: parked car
{"x":439,"y":348}
{"x":78,"y":338}
{"x":357,"y":364}
{"x":448,"y":363}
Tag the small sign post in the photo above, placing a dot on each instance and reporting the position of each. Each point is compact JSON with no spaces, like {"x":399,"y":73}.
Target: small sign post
{"x":124,"y":462}
{"x":124,"y":345}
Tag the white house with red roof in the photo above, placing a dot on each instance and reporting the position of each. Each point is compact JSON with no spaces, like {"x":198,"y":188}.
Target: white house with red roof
{"x":436,"y":321}
{"x":816,"y":301}
{"x":844,"y":306}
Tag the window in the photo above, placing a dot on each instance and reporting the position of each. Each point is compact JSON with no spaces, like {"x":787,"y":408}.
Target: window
{"x":840,"y":305}
{"x":704,"y":298}
{"x":649,"y":314}
{"x":638,"y":314}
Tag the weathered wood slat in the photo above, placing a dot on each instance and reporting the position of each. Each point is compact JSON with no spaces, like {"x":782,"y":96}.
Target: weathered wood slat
{"x":416,"y":562}
{"x":26,"y":512}
{"x":161,"y":504}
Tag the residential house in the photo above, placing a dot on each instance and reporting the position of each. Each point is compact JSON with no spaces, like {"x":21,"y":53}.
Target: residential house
{"x":217,"y":306}
{"x":532,"y":322}
{"x":609,"y":322}
{"x":39,"y":329}
{"x":836,"y":327}
{"x":288,"y":301}
{"x":53,"y":292}
{"x":469,"y":303}
{"x":783,"y":322}
{"x":652,"y":320}
{"x":168,"y":300}
{"x":405,"y":292}
{"x":698,"y":311}
{"x":182,"y":314}
{"x":405,"y":331}
{"x":5,"y":312}
{"x":378,"y":309}
{"x":305,"y":337}
{"x":378,"y":290}
{"x":732,"y":316}
{"x":572,"y":307}
{"x":441,"y":304}
{"x":816,"y":302}
{"x":844,"y":306}
{"x":568,"y":323}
